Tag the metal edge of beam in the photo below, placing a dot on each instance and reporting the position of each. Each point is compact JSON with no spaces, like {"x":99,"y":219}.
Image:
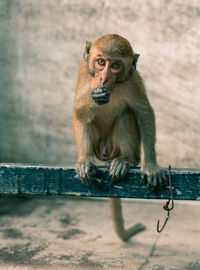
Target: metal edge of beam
{"x":28,"y":179}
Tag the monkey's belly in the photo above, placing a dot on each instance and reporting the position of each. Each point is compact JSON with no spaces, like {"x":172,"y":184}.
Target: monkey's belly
{"x":105,"y":150}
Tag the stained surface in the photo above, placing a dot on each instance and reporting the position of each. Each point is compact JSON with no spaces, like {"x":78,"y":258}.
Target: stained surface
{"x":50,"y":232}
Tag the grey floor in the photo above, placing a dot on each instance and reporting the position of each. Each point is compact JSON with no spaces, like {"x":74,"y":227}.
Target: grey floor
{"x":65,"y":233}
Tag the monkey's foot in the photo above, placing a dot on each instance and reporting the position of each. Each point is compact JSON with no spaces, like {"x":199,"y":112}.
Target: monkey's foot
{"x":85,"y":171}
{"x":118,"y":169}
{"x":154,"y":177}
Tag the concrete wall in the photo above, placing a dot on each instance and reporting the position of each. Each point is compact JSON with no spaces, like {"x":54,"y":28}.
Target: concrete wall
{"x":41,"y":43}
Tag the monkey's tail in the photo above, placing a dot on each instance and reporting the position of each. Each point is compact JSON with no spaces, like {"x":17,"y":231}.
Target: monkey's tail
{"x":118,"y":221}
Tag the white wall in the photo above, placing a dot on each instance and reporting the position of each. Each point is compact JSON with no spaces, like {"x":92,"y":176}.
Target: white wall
{"x":40,"y":47}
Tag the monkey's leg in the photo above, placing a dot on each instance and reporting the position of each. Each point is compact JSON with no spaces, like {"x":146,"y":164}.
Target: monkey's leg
{"x":84,"y":138}
{"x":126,"y":137}
{"x":118,"y":221}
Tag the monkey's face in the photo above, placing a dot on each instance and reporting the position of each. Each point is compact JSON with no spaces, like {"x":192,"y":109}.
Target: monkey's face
{"x":110,"y":60}
{"x":107,"y":71}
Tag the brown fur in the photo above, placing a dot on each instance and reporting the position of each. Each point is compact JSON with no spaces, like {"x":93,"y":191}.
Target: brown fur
{"x":115,"y":130}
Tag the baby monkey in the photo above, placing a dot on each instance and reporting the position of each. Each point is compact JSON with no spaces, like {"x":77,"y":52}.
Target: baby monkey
{"x":113,"y":118}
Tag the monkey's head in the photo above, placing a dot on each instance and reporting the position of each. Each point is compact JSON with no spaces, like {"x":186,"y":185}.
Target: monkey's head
{"x":110,"y":60}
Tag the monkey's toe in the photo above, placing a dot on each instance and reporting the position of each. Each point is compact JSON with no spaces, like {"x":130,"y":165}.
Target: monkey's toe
{"x":154,"y":178}
{"x":118,"y":169}
{"x":156,"y":181}
{"x":85,"y":171}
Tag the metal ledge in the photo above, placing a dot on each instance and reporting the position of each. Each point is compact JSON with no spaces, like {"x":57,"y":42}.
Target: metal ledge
{"x":53,"y":180}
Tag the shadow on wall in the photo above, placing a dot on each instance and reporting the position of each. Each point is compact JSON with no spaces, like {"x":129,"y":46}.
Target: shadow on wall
{"x":40,"y":48}
{"x":36,"y":91}
{"x":8,"y":136}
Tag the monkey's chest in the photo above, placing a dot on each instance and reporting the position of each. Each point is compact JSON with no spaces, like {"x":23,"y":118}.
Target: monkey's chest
{"x":105,"y":147}
{"x":106,"y":116}
{"x":105,"y":122}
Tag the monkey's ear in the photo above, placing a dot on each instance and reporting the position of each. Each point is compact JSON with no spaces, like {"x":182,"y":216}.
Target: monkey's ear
{"x":135,"y":58}
{"x":88,"y":45}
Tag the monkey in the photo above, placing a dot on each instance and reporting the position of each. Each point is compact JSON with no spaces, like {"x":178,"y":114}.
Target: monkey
{"x":113,"y":118}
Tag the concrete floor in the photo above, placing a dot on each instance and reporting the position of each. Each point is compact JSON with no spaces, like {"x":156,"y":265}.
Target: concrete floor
{"x":65,"y":233}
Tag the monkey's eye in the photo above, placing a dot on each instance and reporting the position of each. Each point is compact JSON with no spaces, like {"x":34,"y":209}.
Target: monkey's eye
{"x":115,"y":65}
{"x":101,"y":61}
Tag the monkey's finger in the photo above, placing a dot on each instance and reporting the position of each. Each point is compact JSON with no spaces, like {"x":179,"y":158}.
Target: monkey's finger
{"x":113,"y":170}
{"x":82,"y":170}
{"x":155,"y":184}
{"x":115,"y":178}
{"x":105,"y":89}
{"x":100,"y":101}
{"x":124,"y":169}
{"x":106,"y":92}
{"x":85,"y":181}
{"x":87,"y":167}
{"x":155,"y":181}
{"x":78,"y":169}
{"x":144,"y":177}
{"x":85,"y":171}
{"x":100,"y":95}
{"x":107,"y":164}
{"x":97,"y":90}
{"x":101,"y":90}
{"x":161,"y":180}
{"x":165,"y":180}
{"x":149,"y":181}
{"x":92,"y":170}
{"x":118,"y":170}
{"x":113,"y":164}
{"x":84,"y":175}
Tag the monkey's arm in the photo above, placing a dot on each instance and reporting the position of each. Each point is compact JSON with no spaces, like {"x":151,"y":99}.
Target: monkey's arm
{"x":84,"y":106}
{"x":150,"y":169}
{"x":147,"y":127}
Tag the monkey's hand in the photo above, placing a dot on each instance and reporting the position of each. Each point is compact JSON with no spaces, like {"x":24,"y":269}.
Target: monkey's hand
{"x":153,"y":176}
{"x":85,"y":171}
{"x":118,"y":169}
{"x":101,"y":95}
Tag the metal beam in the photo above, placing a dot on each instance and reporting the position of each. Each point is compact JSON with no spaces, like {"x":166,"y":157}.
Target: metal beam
{"x":52,"y":180}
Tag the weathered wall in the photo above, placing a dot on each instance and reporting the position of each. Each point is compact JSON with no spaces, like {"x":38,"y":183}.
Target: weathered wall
{"x":40,"y":47}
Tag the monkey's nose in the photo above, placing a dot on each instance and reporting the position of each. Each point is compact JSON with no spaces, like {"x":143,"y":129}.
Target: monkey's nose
{"x":104,"y":81}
